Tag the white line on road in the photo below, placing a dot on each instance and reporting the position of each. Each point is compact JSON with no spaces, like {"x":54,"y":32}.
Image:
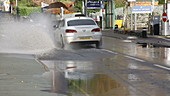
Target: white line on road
{"x":135,"y":58}
{"x":164,"y":38}
{"x":109,"y":51}
{"x":160,"y":66}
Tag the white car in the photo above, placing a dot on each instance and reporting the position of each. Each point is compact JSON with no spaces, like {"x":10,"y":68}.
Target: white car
{"x":78,"y":30}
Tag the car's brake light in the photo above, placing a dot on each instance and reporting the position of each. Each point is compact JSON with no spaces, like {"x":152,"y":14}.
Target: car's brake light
{"x":95,"y":30}
{"x":71,"y":31}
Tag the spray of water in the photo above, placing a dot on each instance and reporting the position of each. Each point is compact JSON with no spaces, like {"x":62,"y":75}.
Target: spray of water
{"x":26,"y":37}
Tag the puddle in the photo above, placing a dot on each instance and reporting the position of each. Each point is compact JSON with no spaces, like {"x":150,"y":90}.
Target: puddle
{"x":83,"y":78}
{"x":150,"y":45}
{"x":99,"y":85}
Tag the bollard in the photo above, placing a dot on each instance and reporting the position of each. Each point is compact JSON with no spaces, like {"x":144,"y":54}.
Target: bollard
{"x":144,"y":33}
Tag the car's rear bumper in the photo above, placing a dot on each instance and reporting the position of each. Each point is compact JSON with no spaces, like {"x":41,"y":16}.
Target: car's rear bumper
{"x":88,"y":39}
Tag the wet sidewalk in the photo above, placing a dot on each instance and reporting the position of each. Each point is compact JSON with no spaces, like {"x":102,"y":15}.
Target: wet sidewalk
{"x":23,"y":77}
{"x":151,"y":39}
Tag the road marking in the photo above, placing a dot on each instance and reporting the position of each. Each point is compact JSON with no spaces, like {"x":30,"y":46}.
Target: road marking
{"x":84,"y":92}
{"x":45,"y":67}
{"x":135,"y":58}
{"x":164,"y":38}
{"x":109,"y":51}
{"x":160,"y":66}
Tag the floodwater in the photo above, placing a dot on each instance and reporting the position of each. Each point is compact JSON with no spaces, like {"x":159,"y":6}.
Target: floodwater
{"x":157,"y":54}
{"x":78,"y":78}
{"x":88,"y":71}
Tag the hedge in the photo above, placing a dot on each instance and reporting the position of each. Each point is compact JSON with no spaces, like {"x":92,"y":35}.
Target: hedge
{"x":25,"y":11}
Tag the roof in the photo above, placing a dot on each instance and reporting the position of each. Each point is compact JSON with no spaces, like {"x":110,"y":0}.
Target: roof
{"x":57,"y":5}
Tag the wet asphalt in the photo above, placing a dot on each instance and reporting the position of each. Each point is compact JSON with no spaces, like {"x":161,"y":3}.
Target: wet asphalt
{"x":32,"y":75}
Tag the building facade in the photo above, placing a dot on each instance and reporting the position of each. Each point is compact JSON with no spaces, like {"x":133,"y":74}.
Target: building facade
{"x":144,"y":2}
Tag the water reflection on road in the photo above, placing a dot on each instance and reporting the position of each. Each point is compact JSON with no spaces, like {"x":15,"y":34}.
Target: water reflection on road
{"x":84,"y":78}
{"x":116,"y":75}
{"x":146,"y":51}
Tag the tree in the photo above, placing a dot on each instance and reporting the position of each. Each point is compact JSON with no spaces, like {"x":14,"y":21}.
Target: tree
{"x":78,"y":5}
{"x":161,"y":1}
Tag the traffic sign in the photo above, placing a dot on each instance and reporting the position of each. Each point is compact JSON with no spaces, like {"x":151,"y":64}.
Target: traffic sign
{"x":92,"y":4}
{"x":141,"y":9}
{"x":164,"y":17}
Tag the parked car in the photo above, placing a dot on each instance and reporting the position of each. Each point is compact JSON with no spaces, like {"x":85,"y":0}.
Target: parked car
{"x":78,"y":30}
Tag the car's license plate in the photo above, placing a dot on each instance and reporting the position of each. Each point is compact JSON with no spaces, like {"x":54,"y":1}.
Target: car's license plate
{"x":84,"y":38}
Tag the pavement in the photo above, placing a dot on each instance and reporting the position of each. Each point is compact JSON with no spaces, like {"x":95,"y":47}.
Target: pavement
{"x":21,"y":75}
{"x":156,"y":40}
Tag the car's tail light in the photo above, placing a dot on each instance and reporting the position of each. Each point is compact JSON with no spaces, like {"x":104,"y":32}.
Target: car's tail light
{"x":96,"y":30}
{"x":71,"y":31}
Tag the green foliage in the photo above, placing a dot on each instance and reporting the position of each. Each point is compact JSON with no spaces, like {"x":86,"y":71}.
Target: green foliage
{"x":78,"y":6}
{"x":25,"y":7}
{"x":27,"y":3}
{"x":24,"y":11}
{"x":119,"y":3}
{"x":12,"y":0}
{"x":161,"y":1}
{"x":93,"y":10}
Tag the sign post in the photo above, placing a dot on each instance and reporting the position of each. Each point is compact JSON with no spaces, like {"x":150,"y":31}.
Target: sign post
{"x":131,"y":23}
{"x":164,"y":17}
{"x":164,"y":24}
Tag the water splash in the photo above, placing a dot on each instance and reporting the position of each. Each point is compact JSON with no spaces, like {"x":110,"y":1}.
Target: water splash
{"x":19,"y":37}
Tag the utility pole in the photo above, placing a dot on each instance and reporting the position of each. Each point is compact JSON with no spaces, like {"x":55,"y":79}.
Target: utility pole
{"x":135,"y":20}
{"x":153,"y":4}
{"x":125,"y":9}
{"x":131,"y":18}
{"x":165,"y":24}
{"x":16,"y":3}
{"x":61,"y":12}
{"x":84,"y":7}
{"x":165,"y":6}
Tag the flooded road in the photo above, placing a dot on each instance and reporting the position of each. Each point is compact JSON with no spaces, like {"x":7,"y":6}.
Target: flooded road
{"x":31,"y":66}
{"x":148,"y":52}
{"x":128,"y":70}
{"x":116,"y":75}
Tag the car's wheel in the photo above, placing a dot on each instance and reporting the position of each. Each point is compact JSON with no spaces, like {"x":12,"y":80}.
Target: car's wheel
{"x":99,"y":44}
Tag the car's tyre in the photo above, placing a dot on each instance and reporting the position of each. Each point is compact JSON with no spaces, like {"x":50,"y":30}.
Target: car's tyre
{"x":99,"y":44}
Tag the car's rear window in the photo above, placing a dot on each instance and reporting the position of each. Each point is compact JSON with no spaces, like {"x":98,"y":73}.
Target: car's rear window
{"x":80,"y":22}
